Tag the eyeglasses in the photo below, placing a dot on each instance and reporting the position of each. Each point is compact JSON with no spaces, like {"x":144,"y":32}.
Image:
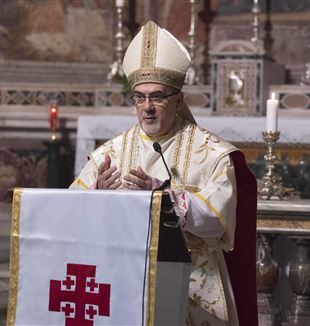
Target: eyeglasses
{"x":157,"y":98}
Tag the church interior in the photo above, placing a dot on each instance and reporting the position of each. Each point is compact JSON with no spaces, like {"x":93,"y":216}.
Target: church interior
{"x":63,"y":92}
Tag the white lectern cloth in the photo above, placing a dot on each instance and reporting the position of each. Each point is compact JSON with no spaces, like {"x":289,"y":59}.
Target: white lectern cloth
{"x":54,"y":228}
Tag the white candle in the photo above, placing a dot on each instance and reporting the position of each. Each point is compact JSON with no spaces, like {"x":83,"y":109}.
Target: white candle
{"x":119,"y":3}
{"x":272,"y":114}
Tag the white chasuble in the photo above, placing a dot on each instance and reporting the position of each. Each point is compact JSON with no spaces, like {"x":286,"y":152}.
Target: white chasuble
{"x":203,"y":181}
{"x":83,"y":257}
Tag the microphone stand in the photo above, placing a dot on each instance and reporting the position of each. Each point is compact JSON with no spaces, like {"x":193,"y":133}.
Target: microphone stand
{"x":167,"y":182}
{"x":174,"y":223}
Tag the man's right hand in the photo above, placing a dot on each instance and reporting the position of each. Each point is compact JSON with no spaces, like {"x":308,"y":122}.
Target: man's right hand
{"x":108,"y":178}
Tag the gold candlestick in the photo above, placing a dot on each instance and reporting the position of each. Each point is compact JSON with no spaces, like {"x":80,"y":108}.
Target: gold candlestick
{"x":271,"y":187}
{"x":116,"y":73}
{"x":255,"y":24}
{"x":192,"y":76}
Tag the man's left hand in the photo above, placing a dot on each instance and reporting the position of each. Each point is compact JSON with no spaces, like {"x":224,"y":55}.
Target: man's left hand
{"x":137,"y":179}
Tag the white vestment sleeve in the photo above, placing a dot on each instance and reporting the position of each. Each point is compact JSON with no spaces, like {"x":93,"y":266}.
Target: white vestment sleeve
{"x":211,"y":212}
{"x":87,"y":178}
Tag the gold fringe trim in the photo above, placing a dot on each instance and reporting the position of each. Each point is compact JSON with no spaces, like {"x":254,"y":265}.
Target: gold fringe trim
{"x":156,"y":207}
{"x":14,"y":257}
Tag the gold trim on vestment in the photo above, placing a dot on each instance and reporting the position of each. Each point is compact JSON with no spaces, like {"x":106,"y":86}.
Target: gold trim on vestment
{"x":133,"y":151}
{"x":214,"y":302}
{"x":212,"y":208}
{"x":145,"y":137}
{"x":14,"y":257}
{"x":123,"y":149}
{"x":81,"y":183}
{"x":102,"y":151}
{"x":214,"y":211}
{"x":153,"y":138}
{"x":153,"y":251}
{"x":188,"y":153}
{"x":227,"y":152}
{"x":177,"y":153}
{"x":222,"y":291}
{"x":187,"y":187}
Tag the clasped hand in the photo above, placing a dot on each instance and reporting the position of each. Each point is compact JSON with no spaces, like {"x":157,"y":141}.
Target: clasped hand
{"x":108,"y":177}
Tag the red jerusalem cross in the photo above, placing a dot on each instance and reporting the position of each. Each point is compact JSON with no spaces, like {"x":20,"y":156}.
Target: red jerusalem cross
{"x":79,"y":296}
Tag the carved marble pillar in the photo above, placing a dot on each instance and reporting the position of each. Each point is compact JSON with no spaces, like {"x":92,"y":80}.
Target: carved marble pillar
{"x":299,"y":278}
{"x":267,"y":275}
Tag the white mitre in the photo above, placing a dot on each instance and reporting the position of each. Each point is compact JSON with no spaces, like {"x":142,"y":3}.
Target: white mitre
{"x":156,"y":56}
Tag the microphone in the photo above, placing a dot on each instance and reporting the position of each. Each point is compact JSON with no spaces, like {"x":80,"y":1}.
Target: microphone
{"x":167,"y":182}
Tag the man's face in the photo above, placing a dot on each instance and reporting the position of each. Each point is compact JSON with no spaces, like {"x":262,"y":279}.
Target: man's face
{"x":156,"y":115}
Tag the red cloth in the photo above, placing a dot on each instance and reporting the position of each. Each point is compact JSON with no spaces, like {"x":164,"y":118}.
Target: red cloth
{"x":241,"y":262}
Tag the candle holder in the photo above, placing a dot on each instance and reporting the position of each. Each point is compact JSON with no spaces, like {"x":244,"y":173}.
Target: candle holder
{"x":192,"y":76}
{"x":271,"y":187}
{"x":117,"y":74}
{"x":255,"y":24}
{"x":53,"y":110}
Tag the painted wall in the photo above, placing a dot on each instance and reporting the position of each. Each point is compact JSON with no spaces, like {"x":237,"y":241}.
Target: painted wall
{"x":83,"y":30}
{"x":54,"y":30}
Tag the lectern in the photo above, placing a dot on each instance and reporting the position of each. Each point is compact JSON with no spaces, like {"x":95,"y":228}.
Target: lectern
{"x":96,"y":258}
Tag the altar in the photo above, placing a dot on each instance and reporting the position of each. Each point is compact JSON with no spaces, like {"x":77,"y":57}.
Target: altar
{"x":283,"y":227}
{"x":292,"y":148}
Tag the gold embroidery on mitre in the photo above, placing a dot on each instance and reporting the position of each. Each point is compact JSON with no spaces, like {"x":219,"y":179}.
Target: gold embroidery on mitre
{"x":149,"y":44}
{"x":148,"y":72}
{"x":157,"y":75}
